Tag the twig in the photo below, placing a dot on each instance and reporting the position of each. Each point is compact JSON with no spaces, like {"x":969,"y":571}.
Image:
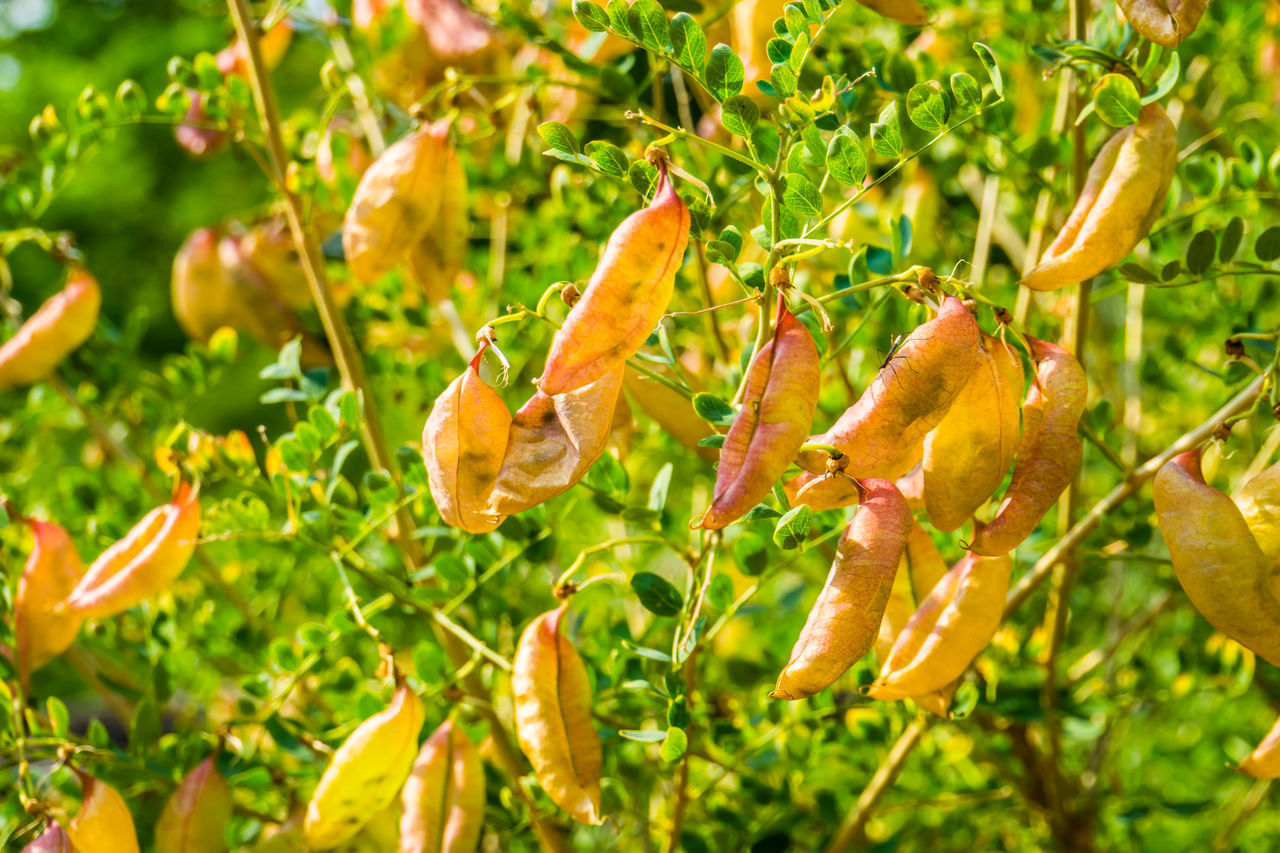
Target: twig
{"x":855,"y":822}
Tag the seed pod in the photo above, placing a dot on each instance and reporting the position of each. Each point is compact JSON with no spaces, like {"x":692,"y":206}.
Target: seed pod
{"x":1048,"y":453}
{"x":845,"y":620}
{"x":626,"y":296}
{"x":444,"y":795}
{"x":752,"y":28}
{"x":911,"y":484}
{"x":58,"y":327}
{"x":52,"y":840}
{"x":366,"y":772}
{"x":1166,"y":22}
{"x":103,"y":819}
{"x":142,"y":564}
{"x":195,"y":818}
{"x":776,"y":415}
{"x":669,"y":410}
{"x":396,"y":203}
{"x":919,"y":572}
{"x":552,"y":443}
{"x":969,"y":451}
{"x":553,"y":718}
{"x":438,"y":257}
{"x":1216,"y":559}
{"x":951,"y":627}
{"x":1122,"y":197}
{"x":1259,"y":503}
{"x":881,"y":433}
{"x":463,"y":443}
{"x":193,"y":133}
{"x":1264,"y":762}
{"x":909,"y":12}
{"x":42,"y":631}
{"x":454,"y":32}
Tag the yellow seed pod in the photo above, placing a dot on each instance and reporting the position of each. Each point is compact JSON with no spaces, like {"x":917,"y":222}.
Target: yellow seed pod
{"x":1259,"y":503}
{"x":41,"y":630}
{"x":1264,"y":762}
{"x":58,"y":327}
{"x":196,"y":816}
{"x":103,"y":824}
{"x":366,"y":772}
{"x":553,"y":718}
{"x":443,"y":798}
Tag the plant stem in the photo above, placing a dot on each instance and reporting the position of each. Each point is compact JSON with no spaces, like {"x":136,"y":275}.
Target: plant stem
{"x":855,"y":822}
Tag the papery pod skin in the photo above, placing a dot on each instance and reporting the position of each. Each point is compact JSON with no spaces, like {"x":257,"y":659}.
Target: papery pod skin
{"x":439,"y":256}
{"x":269,"y":249}
{"x":626,"y":296}
{"x":952,"y":626}
{"x":1165,"y":22}
{"x":463,"y":443}
{"x":195,"y":818}
{"x":669,"y":410}
{"x":453,"y":31}
{"x":1259,"y":503}
{"x":41,"y":630}
{"x":366,"y":772}
{"x":845,"y":620}
{"x":909,"y":12}
{"x":968,"y":452}
{"x":193,"y":134}
{"x":1122,"y":196}
{"x":52,"y":840}
{"x":444,"y":796}
{"x":380,"y":834}
{"x":142,"y":564}
{"x":881,"y":433}
{"x":918,"y":573}
{"x":1048,"y":454}
{"x":284,"y":838}
{"x":54,"y":331}
{"x":1216,"y":559}
{"x":553,"y":718}
{"x":554,"y":441}
{"x":776,"y":415}
{"x":396,"y":203}
{"x":911,"y":484}
{"x":103,"y":823}
{"x":1264,"y":762}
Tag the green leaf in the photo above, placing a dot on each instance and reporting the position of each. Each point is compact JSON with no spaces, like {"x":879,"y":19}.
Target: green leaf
{"x":658,"y":489}
{"x":1167,"y":81}
{"x":59,"y":719}
{"x":846,"y":161}
{"x":452,"y":569}
{"x":795,"y":19}
{"x":783,"y":80}
{"x":674,"y":745}
{"x":558,"y":135}
{"x":1200,"y":252}
{"x":720,"y":591}
{"x":1232,"y":237}
{"x":793,"y":527}
{"x":1116,"y":100}
{"x":144,"y":728}
{"x":927,"y":106}
{"x":778,"y":50}
{"x":649,"y":24}
{"x":725,"y":73}
{"x":591,"y":16}
{"x":688,"y":43}
{"x":713,"y":410}
{"x":609,"y":476}
{"x":801,"y":196}
{"x":643,"y":176}
{"x":967,"y":92}
{"x":1139,"y":274}
{"x":643,"y":735}
{"x":618,"y":11}
{"x":750,"y":553}
{"x":720,"y":252}
{"x":610,"y":158}
{"x":988,"y":60}
{"x":657,"y":594}
{"x":740,"y":115}
{"x":886,"y":137}
{"x":733,"y":237}
{"x":799,"y":52}
{"x":1267,"y":246}
{"x":712,"y":441}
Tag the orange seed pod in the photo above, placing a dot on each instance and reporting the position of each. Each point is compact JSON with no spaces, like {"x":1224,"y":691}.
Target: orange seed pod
{"x":776,"y":415}
{"x":444,"y":796}
{"x":142,"y":564}
{"x":1048,"y":453}
{"x":103,"y":822}
{"x":626,"y":296}
{"x":41,"y":631}
{"x":843,"y":624}
{"x":196,"y":816}
{"x":439,"y":256}
{"x":553,"y":718}
{"x":53,"y":332}
{"x":1264,"y":762}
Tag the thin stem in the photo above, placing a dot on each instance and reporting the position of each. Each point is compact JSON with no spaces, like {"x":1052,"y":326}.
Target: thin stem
{"x":855,"y":822}
{"x":723,"y":150}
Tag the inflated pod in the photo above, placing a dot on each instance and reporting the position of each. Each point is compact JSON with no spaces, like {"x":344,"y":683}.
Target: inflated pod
{"x":777,"y":412}
{"x":41,"y":629}
{"x":1122,"y":196}
{"x":1259,"y":503}
{"x":1216,"y":559}
{"x":396,"y":203}
{"x":909,"y":12}
{"x":881,"y":434}
{"x":103,"y":822}
{"x":1048,"y":454}
{"x":1264,"y":762}
{"x":845,"y":620}
{"x":911,"y":484}
{"x":366,"y":772}
{"x":439,"y":256}
{"x":626,"y":296}
{"x":463,"y":443}
{"x":443,"y":798}
{"x":552,"y":443}
{"x":52,"y":840}
{"x":54,"y":331}
{"x":1166,"y":22}
{"x":968,"y":452}
{"x":670,"y":410}
{"x":920,"y":570}
{"x":751,"y":30}
{"x":553,"y":718}
{"x":195,"y":818}
{"x":952,"y":626}
{"x":142,"y":564}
